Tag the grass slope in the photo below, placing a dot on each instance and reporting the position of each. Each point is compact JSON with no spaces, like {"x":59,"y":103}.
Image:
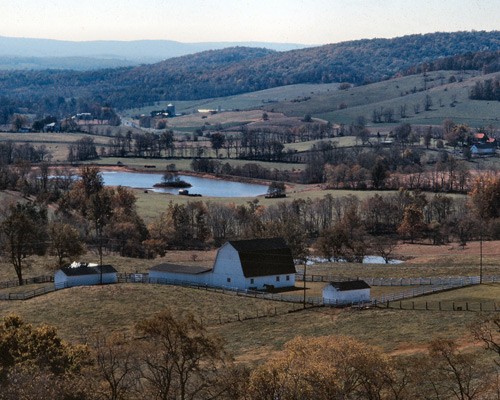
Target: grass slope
{"x":326,"y":101}
{"x":79,"y":312}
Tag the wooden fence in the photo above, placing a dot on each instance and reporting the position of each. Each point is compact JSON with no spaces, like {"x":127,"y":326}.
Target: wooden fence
{"x":29,"y":281}
{"x":424,"y":281}
{"x":29,"y":294}
{"x":282,"y":297}
{"x":448,"y":305}
{"x":394,"y":300}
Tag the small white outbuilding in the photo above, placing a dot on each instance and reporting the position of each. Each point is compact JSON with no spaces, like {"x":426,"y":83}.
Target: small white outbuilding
{"x":347,"y":292}
{"x":80,"y":274}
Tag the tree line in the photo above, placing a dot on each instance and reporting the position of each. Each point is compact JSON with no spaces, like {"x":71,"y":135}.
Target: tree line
{"x":489,"y":89}
{"x":174,"y":356}
{"x":88,"y":215}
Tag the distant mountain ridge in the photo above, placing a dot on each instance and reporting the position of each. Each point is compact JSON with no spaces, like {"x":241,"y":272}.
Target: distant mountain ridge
{"x":43,"y":52}
{"x":218,"y":73}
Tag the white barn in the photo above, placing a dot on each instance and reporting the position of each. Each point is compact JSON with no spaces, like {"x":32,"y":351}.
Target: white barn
{"x":254,"y":264}
{"x":347,"y":292}
{"x":257,"y":264}
{"x":79,"y":274}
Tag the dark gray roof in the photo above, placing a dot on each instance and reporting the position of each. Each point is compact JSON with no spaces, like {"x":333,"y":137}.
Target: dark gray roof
{"x":263,"y":257}
{"x":84,"y":269}
{"x":181,"y":269}
{"x":350,"y":285}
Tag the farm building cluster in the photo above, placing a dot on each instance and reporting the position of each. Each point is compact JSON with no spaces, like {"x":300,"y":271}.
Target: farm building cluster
{"x":256,"y":264}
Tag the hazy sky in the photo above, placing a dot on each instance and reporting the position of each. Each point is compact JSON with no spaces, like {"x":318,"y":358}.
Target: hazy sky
{"x":293,"y":21}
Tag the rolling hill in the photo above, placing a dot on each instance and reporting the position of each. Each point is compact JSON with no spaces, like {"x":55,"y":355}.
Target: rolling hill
{"x":235,"y":70}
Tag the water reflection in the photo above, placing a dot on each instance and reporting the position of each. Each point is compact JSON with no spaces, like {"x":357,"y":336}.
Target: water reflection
{"x":203,"y":186}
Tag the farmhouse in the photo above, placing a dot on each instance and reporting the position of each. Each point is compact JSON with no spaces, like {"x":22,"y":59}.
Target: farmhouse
{"x":240,"y":264}
{"x":347,"y":292}
{"x":80,"y":274}
{"x":483,"y":145}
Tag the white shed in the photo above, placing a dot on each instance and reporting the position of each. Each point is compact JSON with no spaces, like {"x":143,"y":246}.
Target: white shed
{"x":254,"y":264}
{"x":79,"y":274}
{"x":179,"y":274}
{"x":347,"y":292}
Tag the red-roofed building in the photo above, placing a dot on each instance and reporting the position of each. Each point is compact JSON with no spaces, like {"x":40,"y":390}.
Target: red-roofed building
{"x":483,"y":145}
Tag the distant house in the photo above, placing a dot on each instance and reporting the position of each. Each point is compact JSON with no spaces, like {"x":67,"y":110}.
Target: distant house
{"x":483,"y":145}
{"x":240,"y":264}
{"x":347,"y":292}
{"x":52,"y":127}
{"x":80,"y":274}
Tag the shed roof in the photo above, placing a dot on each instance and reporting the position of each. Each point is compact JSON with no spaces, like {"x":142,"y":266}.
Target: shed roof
{"x":350,"y":285}
{"x":263,"y":257}
{"x":180,"y":269}
{"x":84,"y":269}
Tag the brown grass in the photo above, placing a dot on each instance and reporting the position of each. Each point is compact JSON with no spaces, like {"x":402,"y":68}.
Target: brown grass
{"x":78,"y":312}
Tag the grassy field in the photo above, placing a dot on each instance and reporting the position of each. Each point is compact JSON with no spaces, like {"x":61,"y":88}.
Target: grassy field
{"x":79,"y":312}
{"x":327,"y":102}
{"x":449,"y":100}
{"x":465,"y":299}
{"x":243,"y":101}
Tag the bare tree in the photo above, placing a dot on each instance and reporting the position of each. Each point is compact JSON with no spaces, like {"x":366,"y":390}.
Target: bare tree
{"x":23,"y":233}
{"x":181,"y":359}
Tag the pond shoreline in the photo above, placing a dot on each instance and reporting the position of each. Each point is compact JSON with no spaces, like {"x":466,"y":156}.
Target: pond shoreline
{"x":201,"y":184}
{"x":205,"y":175}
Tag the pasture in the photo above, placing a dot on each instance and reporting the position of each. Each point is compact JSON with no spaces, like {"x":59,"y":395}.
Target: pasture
{"x":77,"y":313}
{"x":243,"y":101}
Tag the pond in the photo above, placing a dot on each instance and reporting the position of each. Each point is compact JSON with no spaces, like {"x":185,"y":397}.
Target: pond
{"x":203,"y":186}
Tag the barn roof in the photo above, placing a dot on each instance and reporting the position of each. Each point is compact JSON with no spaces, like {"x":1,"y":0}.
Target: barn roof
{"x":84,"y":269}
{"x":350,"y":285}
{"x":180,"y":269}
{"x":263,"y":257}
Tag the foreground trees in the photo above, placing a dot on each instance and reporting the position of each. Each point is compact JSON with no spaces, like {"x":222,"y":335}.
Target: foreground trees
{"x":106,"y":217}
{"x":36,"y":364}
{"x":176,"y":357}
{"x":181,"y":359}
{"x":324,"y":368}
{"x":23,"y":232}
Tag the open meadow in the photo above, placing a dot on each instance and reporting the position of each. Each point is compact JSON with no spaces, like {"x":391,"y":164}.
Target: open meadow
{"x":79,"y":312}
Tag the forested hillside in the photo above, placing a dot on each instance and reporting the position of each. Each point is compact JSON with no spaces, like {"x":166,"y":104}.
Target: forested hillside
{"x":240,"y":69}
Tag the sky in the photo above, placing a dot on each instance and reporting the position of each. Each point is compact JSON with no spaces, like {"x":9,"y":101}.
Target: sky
{"x":311,"y":22}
